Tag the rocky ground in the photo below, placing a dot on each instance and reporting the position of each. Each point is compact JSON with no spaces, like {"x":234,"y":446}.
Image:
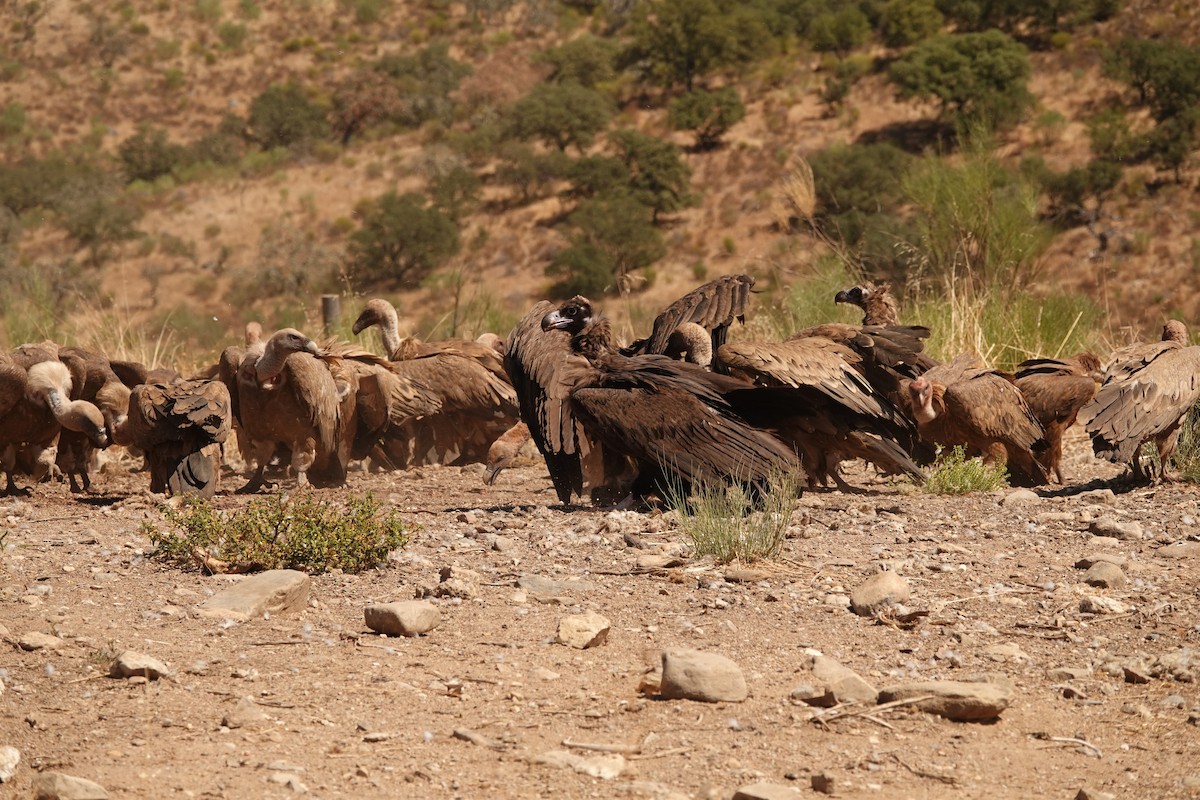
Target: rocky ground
{"x":1085,"y":675}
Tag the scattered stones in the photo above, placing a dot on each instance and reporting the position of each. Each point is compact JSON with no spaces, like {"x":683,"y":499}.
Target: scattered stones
{"x":405,"y":618}
{"x":1105,"y":575}
{"x":57,"y":786}
{"x":605,"y":767}
{"x":131,"y":664}
{"x":957,"y":700}
{"x":843,"y":683}
{"x":10,"y":757}
{"x":1121,"y":531}
{"x":1102,"y":605}
{"x":1136,"y":673}
{"x":582,"y":631}
{"x":881,"y":590}
{"x":35,"y":640}
{"x":766,"y":791}
{"x":275,"y":591}
{"x":696,"y":675}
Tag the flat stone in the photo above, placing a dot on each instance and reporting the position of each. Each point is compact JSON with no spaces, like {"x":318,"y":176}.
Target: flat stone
{"x":1121,"y":531}
{"x":1006,"y":651}
{"x":696,"y":675}
{"x":1068,"y":673}
{"x":35,"y":640}
{"x":1105,"y":575}
{"x":1180,"y":550}
{"x":1101,"y":605}
{"x":1102,"y":496}
{"x":405,"y":618}
{"x":745,"y":575}
{"x":10,"y":757}
{"x":582,"y":631}
{"x":606,"y":767}
{"x":844,"y":683}
{"x":766,"y":791}
{"x":536,"y":584}
{"x":275,"y":591}
{"x":957,"y":700}
{"x":244,"y":714}
{"x":1019,"y":497}
{"x":130,"y":664}
{"x":881,"y":590}
{"x":57,"y":786}
{"x":1088,"y":561}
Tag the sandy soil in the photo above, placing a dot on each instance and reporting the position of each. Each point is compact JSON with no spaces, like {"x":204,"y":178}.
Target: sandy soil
{"x":320,"y":705}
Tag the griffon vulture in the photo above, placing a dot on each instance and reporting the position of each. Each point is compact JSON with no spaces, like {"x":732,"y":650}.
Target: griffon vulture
{"x":1147,"y":392}
{"x":963,"y":403}
{"x":1055,"y":389}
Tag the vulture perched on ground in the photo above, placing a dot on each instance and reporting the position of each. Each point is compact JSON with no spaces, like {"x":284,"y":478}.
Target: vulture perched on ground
{"x":286,"y":396}
{"x":93,"y":380}
{"x":678,"y":422}
{"x":476,"y":401}
{"x":180,"y":428}
{"x":877,"y":302}
{"x":852,"y":420}
{"x":35,"y":405}
{"x":1055,"y":389}
{"x":964,"y":403}
{"x":1147,"y":392}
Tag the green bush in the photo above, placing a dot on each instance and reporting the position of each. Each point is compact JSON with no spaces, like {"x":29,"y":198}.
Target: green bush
{"x":613,"y":235}
{"x":427,"y":81}
{"x":232,"y":35}
{"x":290,"y":264}
{"x":366,"y":12}
{"x":659,"y":177}
{"x":147,"y":155}
{"x":529,"y":171}
{"x":906,"y":22}
{"x":93,"y":212}
{"x":455,"y":192}
{"x":562,"y":115}
{"x":709,"y":114}
{"x":401,"y":240}
{"x":839,"y":31}
{"x":12,"y":119}
{"x":723,"y":523}
{"x":280,"y":532}
{"x":976,"y":77}
{"x":587,"y":60}
{"x":954,"y":473}
{"x":283,"y":116}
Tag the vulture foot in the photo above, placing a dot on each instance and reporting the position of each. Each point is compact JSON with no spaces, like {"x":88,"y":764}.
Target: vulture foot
{"x":255,"y":484}
{"x":12,"y":490}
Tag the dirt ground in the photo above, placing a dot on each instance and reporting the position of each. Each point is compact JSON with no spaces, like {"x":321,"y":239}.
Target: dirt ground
{"x":319,"y":705}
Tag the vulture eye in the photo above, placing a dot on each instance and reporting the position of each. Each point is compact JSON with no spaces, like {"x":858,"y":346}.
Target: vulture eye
{"x":571,"y":311}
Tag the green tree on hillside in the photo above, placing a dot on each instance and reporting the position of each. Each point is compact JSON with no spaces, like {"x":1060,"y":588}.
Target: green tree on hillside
{"x":283,"y":116}
{"x":148,"y":154}
{"x":563,"y":115}
{"x":709,"y":114}
{"x":906,"y":22}
{"x":426,"y":81}
{"x":839,"y":30}
{"x":612,"y":236}
{"x":659,"y":177}
{"x":587,"y":60}
{"x":401,"y":240}
{"x":976,"y":77}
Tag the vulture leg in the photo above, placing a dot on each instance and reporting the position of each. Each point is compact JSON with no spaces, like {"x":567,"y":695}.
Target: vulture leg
{"x":10,"y":466}
{"x":302,"y":460}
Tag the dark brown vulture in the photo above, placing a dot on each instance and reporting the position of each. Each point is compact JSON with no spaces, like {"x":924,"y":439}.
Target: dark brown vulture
{"x":678,"y":422}
{"x":1055,"y":389}
{"x":705,"y":313}
{"x":35,"y":405}
{"x":476,"y":401}
{"x":180,"y":428}
{"x":852,"y":420}
{"x":1147,"y":392}
{"x":877,"y":302}
{"x":964,"y":403}
{"x":287,"y":396}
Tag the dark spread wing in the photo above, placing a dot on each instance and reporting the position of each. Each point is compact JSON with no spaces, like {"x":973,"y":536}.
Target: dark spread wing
{"x":714,"y":306}
{"x":543,"y":370}
{"x":190,"y":413}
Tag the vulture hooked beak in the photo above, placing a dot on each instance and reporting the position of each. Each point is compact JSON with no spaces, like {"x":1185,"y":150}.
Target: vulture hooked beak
{"x":853,"y":296}
{"x":364,"y":321}
{"x":556,"y":321}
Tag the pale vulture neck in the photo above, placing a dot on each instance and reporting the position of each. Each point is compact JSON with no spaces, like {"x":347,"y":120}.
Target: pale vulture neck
{"x":270,"y":363}
{"x":389,"y":328}
{"x":74,"y":415}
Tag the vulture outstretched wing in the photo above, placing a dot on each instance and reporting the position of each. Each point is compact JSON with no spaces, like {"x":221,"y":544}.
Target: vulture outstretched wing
{"x":179,"y":427}
{"x":713,"y":306}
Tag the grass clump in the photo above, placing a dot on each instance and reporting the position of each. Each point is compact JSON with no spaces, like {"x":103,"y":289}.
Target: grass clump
{"x":280,"y":531}
{"x":727,"y":523}
{"x":1186,"y":458}
{"x":954,"y":473}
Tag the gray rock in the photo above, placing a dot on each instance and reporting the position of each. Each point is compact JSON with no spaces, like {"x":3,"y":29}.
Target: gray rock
{"x":957,"y":700}
{"x":605,"y":767}
{"x":1101,"y":605}
{"x":57,"y":786}
{"x":10,"y":757}
{"x":881,"y":590}
{"x":1105,"y":575}
{"x":1102,"y":496}
{"x":275,"y":591}
{"x":1007,"y":651}
{"x":1121,"y":531}
{"x":536,"y":584}
{"x":35,"y":640}
{"x":695,"y":675}
{"x":1180,"y":550}
{"x":582,"y":631}
{"x":244,"y":714}
{"x":842,"y":682}
{"x":766,"y":791}
{"x":1019,"y":497}
{"x":406,"y":618}
{"x":131,"y":664}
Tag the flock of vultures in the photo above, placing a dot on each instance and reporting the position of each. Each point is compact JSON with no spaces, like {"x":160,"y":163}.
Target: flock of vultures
{"x":679,"y":408}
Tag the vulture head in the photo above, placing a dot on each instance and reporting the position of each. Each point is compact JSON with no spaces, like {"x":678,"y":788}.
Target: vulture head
{"x":281,"y":345}
{"x":692,"y":343}
{"x":878,"y":304}
{"x":572,"y":316}
{"x":50,"y":382}
{"x":853,"y":296}
{"x":1175,"y":331}
{"x":253,"y":333}
{"x":920,"y":396}
{"x":493,"y":341}
{"x":376,"y":312}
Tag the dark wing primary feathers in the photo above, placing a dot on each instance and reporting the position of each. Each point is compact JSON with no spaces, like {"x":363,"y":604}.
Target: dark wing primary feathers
{"x":714,"y":306}
{"x":195,"y":412}
{"x":543,"y":370}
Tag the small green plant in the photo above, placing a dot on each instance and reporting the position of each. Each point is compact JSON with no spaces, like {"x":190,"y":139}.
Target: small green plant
{"x":954,"y":473}
{"x":727,"y":523}
{"x":280,"y":531}
{"x":1186,"y":458}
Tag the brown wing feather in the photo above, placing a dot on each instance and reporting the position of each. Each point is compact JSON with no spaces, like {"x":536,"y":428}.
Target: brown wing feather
{"x":714,"y":306}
